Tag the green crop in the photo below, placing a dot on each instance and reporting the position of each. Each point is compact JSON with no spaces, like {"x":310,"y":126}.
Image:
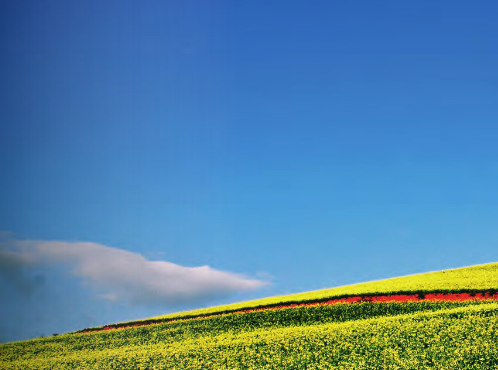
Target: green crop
{"x":211,"y":326}
{"x":439,"y":338}
{"x":394,"y":335}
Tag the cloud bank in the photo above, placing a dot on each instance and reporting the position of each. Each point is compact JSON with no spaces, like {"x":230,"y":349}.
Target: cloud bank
{"x":120,"y":275}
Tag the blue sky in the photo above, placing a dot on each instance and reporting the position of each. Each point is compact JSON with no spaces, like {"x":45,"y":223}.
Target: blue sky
{"x":291,"y":146}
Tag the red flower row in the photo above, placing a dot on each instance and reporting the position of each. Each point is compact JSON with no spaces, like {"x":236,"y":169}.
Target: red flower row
{"x":453,"y":297}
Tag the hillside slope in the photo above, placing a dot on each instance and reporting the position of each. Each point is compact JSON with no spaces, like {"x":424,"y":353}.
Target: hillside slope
{"x":425,"y":334}
{"x":479,"y":278}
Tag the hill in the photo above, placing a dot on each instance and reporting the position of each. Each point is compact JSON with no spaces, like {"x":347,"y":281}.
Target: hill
{"x":473,"y":279}
{"x":450,"y":322}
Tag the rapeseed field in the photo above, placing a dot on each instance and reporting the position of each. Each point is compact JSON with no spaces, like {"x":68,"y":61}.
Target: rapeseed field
{"x":424,"y":334}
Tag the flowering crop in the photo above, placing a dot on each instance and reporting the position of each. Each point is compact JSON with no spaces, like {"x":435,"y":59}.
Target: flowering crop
{"x":447,"y":338}
{"x":474,"y":279}
{"x":444,"y":320}
{"x":430,"y":297}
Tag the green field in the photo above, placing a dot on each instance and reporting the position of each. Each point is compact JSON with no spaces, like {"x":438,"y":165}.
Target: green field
{"x":395,"y":335}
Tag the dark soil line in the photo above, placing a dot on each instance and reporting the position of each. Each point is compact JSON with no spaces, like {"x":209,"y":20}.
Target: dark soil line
{"x":399,"y":297}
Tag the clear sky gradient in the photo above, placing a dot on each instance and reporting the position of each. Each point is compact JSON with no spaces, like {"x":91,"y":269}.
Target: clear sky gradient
{"x":303,"y":144}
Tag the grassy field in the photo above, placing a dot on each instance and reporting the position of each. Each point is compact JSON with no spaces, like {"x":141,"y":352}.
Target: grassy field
{"x":409,"y":335}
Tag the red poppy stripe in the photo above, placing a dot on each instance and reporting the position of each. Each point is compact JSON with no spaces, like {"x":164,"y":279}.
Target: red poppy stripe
{"x":450,"y":297}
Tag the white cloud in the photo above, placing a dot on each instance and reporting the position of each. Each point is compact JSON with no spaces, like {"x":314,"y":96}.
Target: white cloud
{"x":120,"y":275}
